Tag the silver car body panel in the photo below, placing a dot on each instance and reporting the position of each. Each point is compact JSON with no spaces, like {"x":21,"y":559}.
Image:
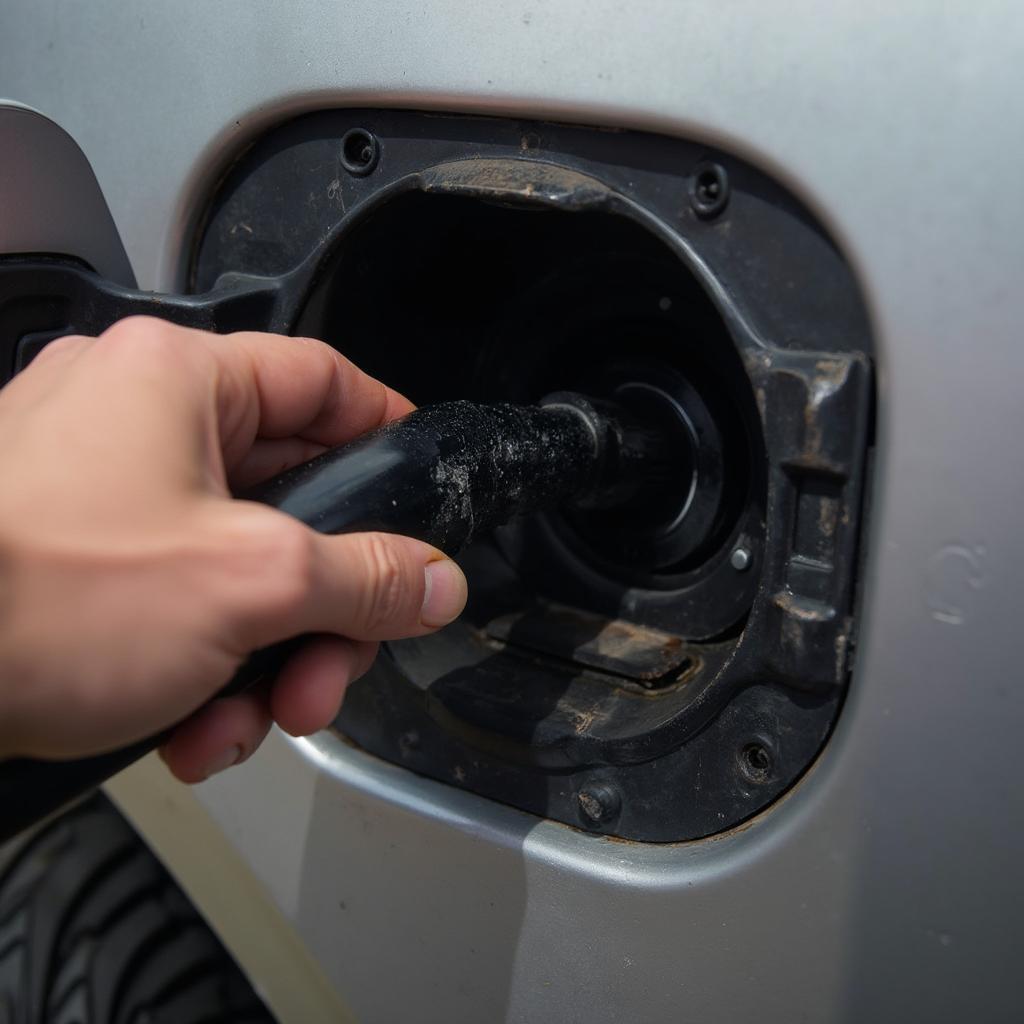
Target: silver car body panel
{"x":886,"y":886}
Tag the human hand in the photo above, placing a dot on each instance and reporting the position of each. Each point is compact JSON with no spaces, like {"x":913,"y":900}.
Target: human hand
{"x":132,"y":585}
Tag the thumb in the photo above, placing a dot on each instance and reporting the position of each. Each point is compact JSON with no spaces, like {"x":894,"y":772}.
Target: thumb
{"x":281,"y":579}
{"x":379,"y":586}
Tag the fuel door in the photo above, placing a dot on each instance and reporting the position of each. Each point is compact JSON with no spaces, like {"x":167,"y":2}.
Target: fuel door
{"x":51,"y":201}
{"x":63,"y":267}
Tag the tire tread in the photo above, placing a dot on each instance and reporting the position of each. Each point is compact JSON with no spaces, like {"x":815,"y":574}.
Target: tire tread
{"x":93,"y":930}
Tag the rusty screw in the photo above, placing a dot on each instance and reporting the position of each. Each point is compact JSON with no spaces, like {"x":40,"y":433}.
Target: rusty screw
{"x":598,"y":802}
{"x":756,"y":762}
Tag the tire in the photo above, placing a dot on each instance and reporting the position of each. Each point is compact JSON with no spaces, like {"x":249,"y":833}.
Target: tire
{"x":93,"y":930}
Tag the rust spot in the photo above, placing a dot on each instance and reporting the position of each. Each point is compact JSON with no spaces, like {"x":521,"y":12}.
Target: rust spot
{"x":827,"y":516}
{"x":648,"y":656}
{"x":802,"y":609}
{"x":830,"y":375}
{"x":529,"y":181}
{"x":583,"y":720}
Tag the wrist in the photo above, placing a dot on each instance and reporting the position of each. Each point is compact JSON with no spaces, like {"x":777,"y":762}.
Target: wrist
{"x":8,"y":655}
{"x":19,"y":703}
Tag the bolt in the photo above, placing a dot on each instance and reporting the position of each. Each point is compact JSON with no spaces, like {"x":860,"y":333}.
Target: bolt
{"x":740,"y":558}
{"x":756,"y":762}
{"x":709,"y":190}
{"x":598,"y":802}
{"x":360,"y":151}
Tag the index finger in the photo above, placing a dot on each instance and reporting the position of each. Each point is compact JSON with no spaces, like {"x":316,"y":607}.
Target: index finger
{"x":273,"y":386}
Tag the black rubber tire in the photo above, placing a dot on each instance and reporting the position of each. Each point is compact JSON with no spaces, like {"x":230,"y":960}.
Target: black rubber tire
{"x":93,"y":930}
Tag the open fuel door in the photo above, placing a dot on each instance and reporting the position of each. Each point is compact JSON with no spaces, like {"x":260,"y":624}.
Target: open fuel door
{"x":63,"y":268}
{"x":51,"y":203}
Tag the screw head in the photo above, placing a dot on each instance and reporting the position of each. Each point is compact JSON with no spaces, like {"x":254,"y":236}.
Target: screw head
{"x":756,"y":762}
{"x":360,"y":151}
{"x":709,"y":189}
{"x":598,"y":802}
{"x":740,"y":558}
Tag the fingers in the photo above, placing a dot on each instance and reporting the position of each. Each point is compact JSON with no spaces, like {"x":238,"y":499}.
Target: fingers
{"x":36,"y":381}
{"x":267,"y":458}
{"x":305,"y":698}
{"x":277,"y":387}
{"x":266,"y":385}
{"x":61,"y":351}
{"x":263,"y":385}
{"x":223,"y":733}
{"x":307,"y":694}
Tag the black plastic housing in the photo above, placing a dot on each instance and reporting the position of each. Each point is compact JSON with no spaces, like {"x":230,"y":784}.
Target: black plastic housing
{"x":593,"y":679}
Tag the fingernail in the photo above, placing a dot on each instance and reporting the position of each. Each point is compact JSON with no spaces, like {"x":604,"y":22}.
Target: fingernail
{"x":445,"y":593}
{"x":230,"y":756}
